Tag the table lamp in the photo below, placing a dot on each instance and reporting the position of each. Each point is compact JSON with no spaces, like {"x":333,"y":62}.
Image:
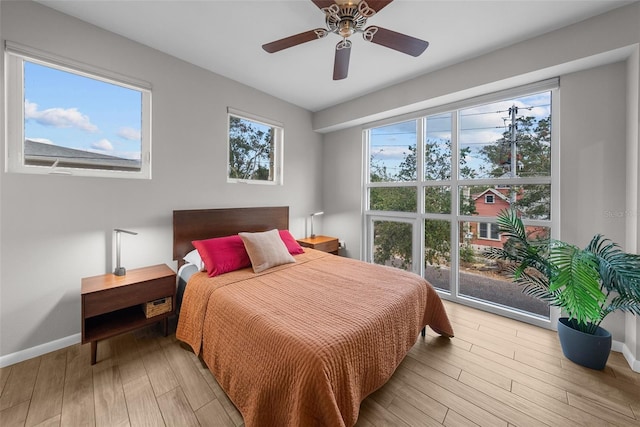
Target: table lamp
{"x":120,"y":270}
{"x":312,"y":215}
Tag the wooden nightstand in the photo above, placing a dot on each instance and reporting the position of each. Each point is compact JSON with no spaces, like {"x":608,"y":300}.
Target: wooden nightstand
{"x":321,"y":243}
{"x":112,"y":304}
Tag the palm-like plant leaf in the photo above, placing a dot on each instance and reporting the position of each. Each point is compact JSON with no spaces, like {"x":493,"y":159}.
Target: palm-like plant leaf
{"x":520,"y":250}
{"x":536,"y":286}
{"x":619,"y":271}
{"x":623,"y":303}
{"x":577,"y":282}
{"x":588,"y":284}
{"x":511,"y":225}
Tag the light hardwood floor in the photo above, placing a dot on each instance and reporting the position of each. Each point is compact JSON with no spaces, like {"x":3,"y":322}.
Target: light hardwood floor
{"x":495,"y":372}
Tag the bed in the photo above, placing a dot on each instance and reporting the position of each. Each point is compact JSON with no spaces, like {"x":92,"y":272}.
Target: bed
{"x":302,"y":343}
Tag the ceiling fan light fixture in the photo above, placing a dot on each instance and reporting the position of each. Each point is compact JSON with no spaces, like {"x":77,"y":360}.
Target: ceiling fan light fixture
{"x":346,"y":28}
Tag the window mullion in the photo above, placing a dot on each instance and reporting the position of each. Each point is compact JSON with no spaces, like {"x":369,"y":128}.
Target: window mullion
{"x":455,"y":205}
{"x":418,"y":251}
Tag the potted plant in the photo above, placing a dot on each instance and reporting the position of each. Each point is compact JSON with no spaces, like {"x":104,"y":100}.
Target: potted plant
{"x":587,"y":284}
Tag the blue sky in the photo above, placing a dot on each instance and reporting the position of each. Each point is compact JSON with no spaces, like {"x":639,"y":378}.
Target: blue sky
{"x":480,"y":125}
{"x":78,"y":112}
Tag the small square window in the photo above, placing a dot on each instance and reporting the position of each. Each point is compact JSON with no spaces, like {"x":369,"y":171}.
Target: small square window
{"x":489,"y":199}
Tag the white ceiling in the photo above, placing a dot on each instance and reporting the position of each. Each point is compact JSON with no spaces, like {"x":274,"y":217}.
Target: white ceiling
{"x":226,"y":38}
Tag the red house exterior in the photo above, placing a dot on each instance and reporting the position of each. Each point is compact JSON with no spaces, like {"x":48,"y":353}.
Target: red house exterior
{"x":488,"y":203}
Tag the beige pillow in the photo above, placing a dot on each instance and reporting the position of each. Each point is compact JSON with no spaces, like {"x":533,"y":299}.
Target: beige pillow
{"x":266,"y":250}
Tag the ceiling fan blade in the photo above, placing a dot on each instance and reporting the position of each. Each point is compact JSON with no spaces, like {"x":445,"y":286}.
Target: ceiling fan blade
{"x":377,"y":5}
{"x":323,"y":3}
{"x":341,"y":63}
{"x":295,"y":40}
{"x":393,"y":40}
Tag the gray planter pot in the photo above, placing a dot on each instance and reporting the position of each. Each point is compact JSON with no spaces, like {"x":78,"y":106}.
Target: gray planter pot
{"x":591,"y":351}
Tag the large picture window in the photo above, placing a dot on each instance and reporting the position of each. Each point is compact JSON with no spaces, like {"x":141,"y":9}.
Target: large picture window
{"x":255,"y":149}
{"x":439,"y":180}
{"x":70,"y":118}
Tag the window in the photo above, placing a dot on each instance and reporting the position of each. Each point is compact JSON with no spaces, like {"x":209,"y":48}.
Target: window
{"x":70,"y":118}
{"x":434,"y":182}
{"x":255,"y":149}
{"x":489,"y":231}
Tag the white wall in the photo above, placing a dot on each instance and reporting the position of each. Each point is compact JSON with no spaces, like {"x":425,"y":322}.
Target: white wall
{"x":57,"y":229}
{"x":342,"y":181}
{"x":593,"y":160}
{"x":597,"y":62}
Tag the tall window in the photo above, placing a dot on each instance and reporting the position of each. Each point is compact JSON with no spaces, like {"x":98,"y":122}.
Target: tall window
{"x":255,"y":149}
{"x":70,"y":118}
{"x":436,"y":182}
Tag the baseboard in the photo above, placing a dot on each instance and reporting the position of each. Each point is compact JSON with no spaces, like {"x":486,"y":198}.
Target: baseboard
{"x":631,"y":360}
{"x":617,"y":346}
{"x":39,"y":350}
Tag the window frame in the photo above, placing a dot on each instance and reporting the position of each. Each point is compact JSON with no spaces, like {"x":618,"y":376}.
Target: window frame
{"x":489,"y":199}
{"x":491,"y":228}
{"x":455,"y":182}
{"x":278,"y":146}
{"x":15,"y":55}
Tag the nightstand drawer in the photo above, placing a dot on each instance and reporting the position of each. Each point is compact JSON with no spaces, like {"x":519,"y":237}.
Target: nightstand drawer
{"x":321,"y":243}
{"x":108,"y":300}
{"x":330,"y":246}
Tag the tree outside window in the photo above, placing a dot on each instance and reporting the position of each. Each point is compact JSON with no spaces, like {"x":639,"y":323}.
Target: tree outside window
{"x":254,"y":151}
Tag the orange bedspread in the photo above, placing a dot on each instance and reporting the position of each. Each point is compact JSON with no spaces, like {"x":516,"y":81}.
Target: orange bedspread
{"x":303,"y":344}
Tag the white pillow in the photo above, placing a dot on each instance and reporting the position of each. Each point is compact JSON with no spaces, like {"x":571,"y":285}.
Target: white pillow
{"x":266,"y":250}
{"x":193,"y":257}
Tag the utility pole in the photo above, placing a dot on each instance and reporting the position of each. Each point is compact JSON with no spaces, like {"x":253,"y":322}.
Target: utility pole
{"x":513,"y":111}
{"x":513,"y":127}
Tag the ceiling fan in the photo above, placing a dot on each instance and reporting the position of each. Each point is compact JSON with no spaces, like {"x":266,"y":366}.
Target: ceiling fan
{"x":345,"y":18}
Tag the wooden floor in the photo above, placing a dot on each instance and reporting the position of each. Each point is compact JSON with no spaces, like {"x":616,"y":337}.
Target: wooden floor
{"x":495,"y":372}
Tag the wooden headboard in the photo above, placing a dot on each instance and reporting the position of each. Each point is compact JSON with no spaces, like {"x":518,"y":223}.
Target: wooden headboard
{"x":198,"y":224}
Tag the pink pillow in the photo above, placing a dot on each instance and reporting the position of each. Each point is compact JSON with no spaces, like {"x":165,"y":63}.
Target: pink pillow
{"x":292,"y":246}
{"x":222,"y":254}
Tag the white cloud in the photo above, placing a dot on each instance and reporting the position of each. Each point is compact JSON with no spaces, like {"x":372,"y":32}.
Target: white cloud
{"x":102,"y":145}
{"x":129,"y":133}
{"x":58,"y":117}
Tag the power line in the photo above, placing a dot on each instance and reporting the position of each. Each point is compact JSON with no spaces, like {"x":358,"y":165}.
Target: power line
{"x":530,"y":107}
